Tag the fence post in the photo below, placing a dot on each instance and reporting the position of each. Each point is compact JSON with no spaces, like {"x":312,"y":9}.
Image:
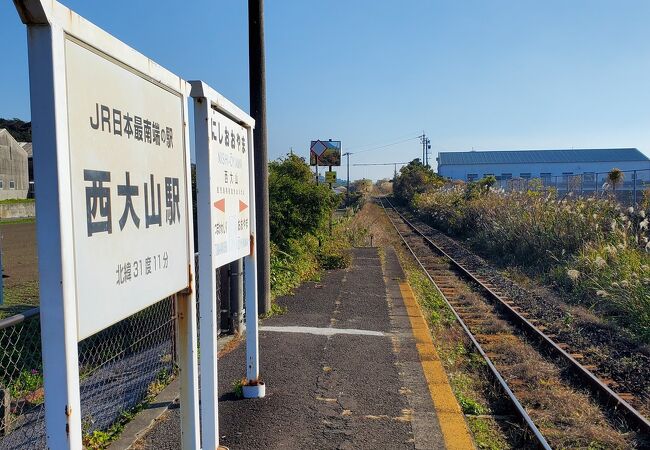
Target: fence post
{"x":582,"y":182}
{"x":634,"y":188}
{"x":236,"y":295}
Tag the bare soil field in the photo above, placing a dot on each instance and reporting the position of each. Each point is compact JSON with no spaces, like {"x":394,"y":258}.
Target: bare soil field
{"x":19,"y":258}
{"x":20,"y":267}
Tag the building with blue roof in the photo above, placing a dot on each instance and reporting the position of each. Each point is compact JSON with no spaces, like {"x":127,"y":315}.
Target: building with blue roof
{"x":557,"y":167}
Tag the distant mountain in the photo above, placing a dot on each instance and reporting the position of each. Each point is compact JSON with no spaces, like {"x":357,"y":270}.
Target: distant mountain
{"x":21,"y":131}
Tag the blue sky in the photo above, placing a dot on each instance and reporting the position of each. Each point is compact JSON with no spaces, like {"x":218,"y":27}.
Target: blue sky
{"x":473,"y":74}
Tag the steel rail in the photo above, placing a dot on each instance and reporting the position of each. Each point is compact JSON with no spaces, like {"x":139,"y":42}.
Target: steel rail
{"x":605,"y":394}
{"x":541,"y":440}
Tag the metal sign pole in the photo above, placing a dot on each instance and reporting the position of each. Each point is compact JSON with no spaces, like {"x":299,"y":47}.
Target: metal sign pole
{"x":54,"y":230}
{"x":207,"y":277}
{"x":188,"y":359}
{"x":331,"y":213}
{"x":254,"y":387}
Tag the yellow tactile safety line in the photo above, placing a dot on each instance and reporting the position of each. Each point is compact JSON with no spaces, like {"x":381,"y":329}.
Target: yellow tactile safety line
{"x":452,"y":422}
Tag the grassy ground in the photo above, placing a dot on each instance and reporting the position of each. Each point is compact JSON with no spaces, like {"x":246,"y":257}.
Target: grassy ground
{"x":19,"y":220}
{"x":19,"y":298}
{"x":11,"y":201}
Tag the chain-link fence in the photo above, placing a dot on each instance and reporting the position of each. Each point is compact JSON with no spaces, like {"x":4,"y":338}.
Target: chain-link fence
{"x":119,"y":368}
{"x":123,"y":364}
{"x":630,"y":188}
{"x":21,"y":382}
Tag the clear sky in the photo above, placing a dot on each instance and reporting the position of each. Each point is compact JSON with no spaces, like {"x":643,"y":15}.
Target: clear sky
{"x":473,"y":74}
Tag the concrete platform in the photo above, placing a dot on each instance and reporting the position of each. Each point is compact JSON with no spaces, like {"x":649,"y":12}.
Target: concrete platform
{"x":344,"y":369}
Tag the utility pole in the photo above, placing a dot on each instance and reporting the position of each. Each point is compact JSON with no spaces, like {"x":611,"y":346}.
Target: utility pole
{"x":347,"y":192}
{"x":426,"y":146}
{"x":257,"y":75}
{"x":422,"y":138}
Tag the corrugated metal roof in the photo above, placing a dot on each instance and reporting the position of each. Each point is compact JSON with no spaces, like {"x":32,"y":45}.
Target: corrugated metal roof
{"x":27,"y":146}
{"x":541,"y":156}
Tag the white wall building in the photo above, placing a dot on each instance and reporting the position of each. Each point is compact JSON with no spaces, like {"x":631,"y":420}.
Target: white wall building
{"x":554,"y":167}
{"x":14,"y":179}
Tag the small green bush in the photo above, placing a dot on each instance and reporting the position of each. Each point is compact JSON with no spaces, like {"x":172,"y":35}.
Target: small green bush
{"x":27,"y":381}
{"x":332,"y":260}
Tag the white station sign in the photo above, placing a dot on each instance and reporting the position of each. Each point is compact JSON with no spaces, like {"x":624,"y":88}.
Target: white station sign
{"x":226,"y":232}
{"x":229,"y":189}
{"x":129,"y":188}
{"x":113,"y":214}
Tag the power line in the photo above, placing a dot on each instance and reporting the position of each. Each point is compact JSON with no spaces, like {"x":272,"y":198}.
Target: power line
{"x":394,"y":164}
{"x":379,"y":164}
{"x":403,"y":136}
{"x":387,"y":145}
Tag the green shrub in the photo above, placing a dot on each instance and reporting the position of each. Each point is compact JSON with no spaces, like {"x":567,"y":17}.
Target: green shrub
{"x":27,"y":381}
{"x":415,"y":178}
{"x":297,"y":205}
{"x":300,"y":213}
{"x":330,"y":261}
{"x":291,"y":267}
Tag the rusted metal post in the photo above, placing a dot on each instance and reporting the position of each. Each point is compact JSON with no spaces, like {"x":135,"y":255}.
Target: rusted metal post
{"x":236,"y":296}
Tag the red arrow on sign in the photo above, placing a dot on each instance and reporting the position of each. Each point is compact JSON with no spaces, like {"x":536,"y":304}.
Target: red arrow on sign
{"x":220,"y":205}
{"x":242,"y":206}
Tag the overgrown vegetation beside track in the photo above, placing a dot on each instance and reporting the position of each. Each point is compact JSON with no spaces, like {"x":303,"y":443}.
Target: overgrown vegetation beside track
{"x":300,"y":213}
{"x":592,"y":248}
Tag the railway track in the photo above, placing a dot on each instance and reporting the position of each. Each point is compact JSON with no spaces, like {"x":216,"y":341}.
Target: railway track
{"x":495,"y":324}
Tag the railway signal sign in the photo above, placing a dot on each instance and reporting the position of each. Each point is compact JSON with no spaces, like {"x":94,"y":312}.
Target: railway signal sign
{"x":325,"y":153}
{"x":330,"y":177}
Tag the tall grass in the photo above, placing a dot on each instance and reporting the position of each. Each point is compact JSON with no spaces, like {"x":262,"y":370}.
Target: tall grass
{"x":592,"y":247}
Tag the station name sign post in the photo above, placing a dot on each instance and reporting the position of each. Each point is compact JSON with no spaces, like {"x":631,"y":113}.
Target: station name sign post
{"x":225,"y":185}
{"x":114,"y":202}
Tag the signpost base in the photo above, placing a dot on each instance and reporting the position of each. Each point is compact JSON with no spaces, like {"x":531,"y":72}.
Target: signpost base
{"x":254,"y":391}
